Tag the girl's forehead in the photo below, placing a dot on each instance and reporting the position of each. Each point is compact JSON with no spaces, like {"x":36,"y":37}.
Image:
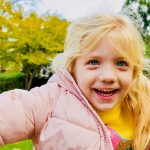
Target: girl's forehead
{"x":100,"y":53}
{"x":105,"y":47}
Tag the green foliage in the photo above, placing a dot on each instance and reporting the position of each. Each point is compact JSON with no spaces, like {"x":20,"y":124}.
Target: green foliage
{"x":10,"y":81}
{"x":147,"y":41}
{"x":24,"y":145}
{"x":28,"y":43}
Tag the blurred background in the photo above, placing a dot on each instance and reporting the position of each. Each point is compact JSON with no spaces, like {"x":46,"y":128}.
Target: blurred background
{"x":32,"y":32}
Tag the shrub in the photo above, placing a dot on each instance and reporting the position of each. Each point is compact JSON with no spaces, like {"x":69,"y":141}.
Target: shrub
{"x":9,"y":81}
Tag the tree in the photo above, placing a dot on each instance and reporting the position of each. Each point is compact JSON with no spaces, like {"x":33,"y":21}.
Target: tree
{"x":29,"y":42}
{"x":143,"y":8}
{"x":6,"y":29}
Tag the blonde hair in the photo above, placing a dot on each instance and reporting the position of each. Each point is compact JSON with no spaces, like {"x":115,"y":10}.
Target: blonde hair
{"x":85,"y":33}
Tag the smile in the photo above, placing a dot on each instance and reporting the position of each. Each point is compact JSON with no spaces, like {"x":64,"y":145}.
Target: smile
{"x":106,"y":92}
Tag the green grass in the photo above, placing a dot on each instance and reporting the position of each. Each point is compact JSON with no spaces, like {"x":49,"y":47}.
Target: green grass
{"x":24,"y":145}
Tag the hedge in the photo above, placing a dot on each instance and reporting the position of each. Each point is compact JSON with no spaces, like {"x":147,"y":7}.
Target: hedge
{"x":9,"y":81}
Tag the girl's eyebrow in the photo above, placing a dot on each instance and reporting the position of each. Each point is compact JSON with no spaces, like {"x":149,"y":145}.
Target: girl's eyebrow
{"x":122,"y":58}
{"x":99,"y":56}
{"x":93,"y":56}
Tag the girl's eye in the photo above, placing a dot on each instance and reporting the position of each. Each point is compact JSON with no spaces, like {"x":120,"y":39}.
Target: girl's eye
{"x":94,"y":62}
{"x":122,"y":63}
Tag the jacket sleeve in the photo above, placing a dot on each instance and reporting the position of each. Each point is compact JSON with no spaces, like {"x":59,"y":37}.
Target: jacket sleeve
{"x":24,"y":113}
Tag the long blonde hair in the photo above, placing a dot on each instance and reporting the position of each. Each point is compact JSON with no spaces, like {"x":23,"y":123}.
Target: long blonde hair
{"x":85,"y":33}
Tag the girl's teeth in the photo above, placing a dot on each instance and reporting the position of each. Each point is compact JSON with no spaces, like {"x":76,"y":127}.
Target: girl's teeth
{"x":110,"y":94}
{"x":105,"y":92}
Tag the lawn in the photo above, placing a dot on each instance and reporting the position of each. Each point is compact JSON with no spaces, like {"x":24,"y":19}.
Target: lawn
{"x":25,"y":145}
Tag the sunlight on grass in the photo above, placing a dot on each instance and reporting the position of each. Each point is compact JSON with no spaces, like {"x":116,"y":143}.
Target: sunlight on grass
{"x":24,"y":145}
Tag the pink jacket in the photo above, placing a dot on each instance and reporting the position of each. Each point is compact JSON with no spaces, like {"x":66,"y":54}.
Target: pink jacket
{"x":56,"y":116}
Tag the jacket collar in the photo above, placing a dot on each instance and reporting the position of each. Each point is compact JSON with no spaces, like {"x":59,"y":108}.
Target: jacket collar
{"x":65,"y":80}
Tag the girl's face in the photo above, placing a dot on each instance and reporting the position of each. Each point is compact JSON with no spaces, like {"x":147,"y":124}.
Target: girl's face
{"x":103,"y":76}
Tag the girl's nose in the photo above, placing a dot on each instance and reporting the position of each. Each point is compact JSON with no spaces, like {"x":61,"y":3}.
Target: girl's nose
{"x":108,"y":75}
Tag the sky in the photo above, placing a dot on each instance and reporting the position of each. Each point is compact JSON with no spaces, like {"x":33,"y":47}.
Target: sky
{"x":73,"y":9}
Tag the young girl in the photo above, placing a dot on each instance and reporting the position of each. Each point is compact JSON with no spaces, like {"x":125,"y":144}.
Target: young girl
{"x":98,"y":98}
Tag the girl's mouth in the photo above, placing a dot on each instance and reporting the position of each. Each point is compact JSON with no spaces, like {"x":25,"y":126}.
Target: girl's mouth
{"x":106,"y":92}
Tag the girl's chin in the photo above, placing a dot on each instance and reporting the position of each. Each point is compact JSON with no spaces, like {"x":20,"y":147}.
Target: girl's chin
{"x":105,"y":106}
